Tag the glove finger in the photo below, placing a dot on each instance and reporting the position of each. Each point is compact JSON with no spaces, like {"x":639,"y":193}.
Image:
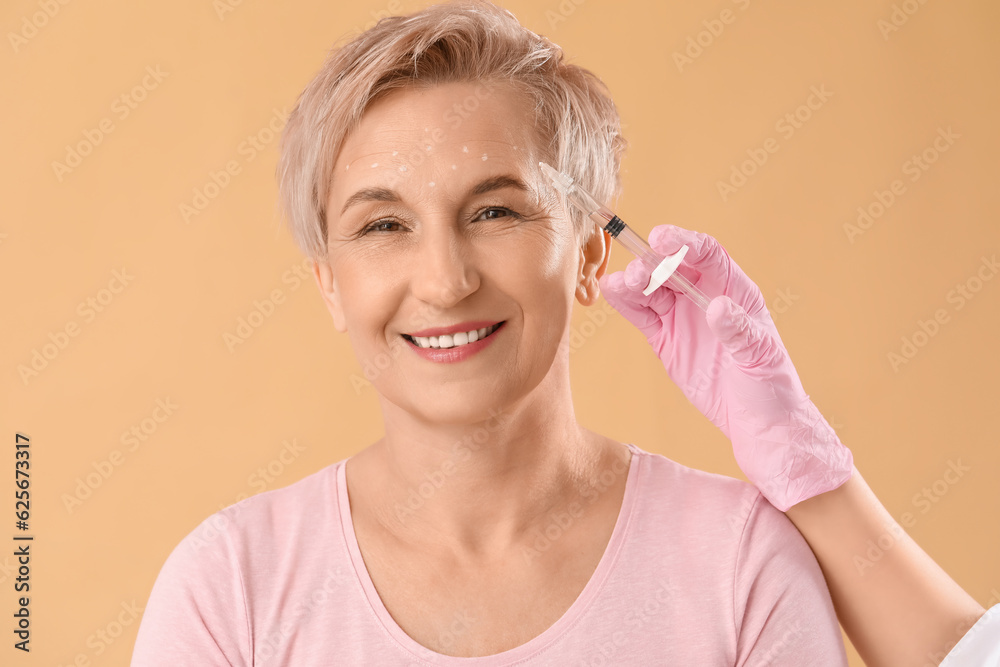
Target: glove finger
{"x":622,"y":299}
{"x":709,"y":266}
{"x":637,"y":278}
{"x":702,"y":248}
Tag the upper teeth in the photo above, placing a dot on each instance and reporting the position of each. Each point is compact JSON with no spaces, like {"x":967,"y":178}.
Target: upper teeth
{"x":455,"y":339}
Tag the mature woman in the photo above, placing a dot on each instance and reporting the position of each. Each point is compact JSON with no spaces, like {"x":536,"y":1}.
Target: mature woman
{"x":487,"y":527}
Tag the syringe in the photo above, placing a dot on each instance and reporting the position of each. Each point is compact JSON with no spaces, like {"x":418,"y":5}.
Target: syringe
{"x":663,"y":269}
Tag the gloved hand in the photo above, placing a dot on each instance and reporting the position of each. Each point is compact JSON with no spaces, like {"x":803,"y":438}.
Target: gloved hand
{"x":733,"y":367}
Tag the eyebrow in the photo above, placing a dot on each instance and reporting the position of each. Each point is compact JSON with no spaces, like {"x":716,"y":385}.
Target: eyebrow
{"x":385,"y":194}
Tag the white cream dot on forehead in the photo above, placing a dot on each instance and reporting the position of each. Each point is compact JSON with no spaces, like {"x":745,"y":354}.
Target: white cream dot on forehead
{"x":431,"y":184}
{"x":402,"y":167}
{"x":465,"y":149}
{"x":395,"y":153}
{"x":374,"y":164}
{"x":484,"y":157}
{"x":347,"y":167}
{"x":454,"y":166}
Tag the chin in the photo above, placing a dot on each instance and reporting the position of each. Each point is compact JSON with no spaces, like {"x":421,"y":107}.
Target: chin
{"x":459,"y":413}
{"x":444,"y":407}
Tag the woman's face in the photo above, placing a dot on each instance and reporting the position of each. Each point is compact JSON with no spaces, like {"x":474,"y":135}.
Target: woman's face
{"x":438,"y":216}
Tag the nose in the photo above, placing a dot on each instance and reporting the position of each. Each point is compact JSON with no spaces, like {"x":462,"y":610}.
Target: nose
{"x":444,"y":267}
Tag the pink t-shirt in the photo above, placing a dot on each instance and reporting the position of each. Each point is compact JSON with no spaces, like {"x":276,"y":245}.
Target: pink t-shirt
{"x":700,"y":570}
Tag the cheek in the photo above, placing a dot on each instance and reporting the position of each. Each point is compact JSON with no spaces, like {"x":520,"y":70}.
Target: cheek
{"x":546,"y":254}
{"x":368,"y":267}
{"x":542,"y":272}
{"x":363,"y":290}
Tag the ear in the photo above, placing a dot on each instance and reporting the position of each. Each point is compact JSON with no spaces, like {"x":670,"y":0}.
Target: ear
{"x":330,"y":292}
{"x":594,"y":256}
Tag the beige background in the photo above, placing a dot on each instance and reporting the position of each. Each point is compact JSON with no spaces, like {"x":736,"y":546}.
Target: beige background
{"x":841,"y":304}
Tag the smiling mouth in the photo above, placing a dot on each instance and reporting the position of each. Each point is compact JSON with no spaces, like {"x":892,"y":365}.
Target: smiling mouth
{"x":446,"y":341}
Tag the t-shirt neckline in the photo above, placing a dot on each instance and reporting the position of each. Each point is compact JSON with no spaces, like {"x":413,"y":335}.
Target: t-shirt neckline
{"x":535,"y":644}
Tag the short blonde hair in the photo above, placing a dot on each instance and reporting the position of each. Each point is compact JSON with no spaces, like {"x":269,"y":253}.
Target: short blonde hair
{"x":467,"y":41}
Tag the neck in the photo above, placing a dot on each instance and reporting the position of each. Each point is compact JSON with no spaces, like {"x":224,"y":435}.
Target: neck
{"x":480,"y":488}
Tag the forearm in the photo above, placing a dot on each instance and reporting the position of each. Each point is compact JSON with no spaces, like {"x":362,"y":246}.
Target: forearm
{"x":897,"y":610}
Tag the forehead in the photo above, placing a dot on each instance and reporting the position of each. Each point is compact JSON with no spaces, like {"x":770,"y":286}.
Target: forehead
{"x":447,"y":112}
{"x":449,"y":126}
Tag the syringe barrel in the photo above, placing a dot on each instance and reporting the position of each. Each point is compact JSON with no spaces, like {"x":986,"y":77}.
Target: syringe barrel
{"x":652,"y":259}
{"x":636,"y":244}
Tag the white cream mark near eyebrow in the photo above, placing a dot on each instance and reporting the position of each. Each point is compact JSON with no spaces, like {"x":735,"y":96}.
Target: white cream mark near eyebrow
{"x":375,"y":164}
{"x":431,"y":184}
{"x":402,"y":167}
{"x":347,"y":167}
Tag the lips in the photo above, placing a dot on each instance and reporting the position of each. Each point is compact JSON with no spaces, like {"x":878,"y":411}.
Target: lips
{"x":458,"y":337}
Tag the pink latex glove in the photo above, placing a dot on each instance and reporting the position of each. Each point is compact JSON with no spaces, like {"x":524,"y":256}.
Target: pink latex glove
{"x":733,"y":367}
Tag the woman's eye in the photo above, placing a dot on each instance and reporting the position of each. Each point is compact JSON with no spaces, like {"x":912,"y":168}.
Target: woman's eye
{"x":491,"y":212}
{"x":380,"y":226}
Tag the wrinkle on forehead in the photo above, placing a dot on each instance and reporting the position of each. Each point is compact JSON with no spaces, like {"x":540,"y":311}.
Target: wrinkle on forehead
{"x":472,"y":148}
{"x":390,"y":148}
